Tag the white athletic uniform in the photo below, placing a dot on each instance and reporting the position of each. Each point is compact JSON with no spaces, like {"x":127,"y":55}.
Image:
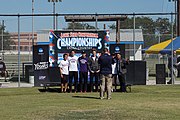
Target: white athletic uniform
{"x":64,"y":65}
{"x":73,"y":61}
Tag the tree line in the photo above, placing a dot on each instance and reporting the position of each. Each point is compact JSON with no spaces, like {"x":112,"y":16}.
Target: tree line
{"x":151,"y":28}
{"x":7,"y":41}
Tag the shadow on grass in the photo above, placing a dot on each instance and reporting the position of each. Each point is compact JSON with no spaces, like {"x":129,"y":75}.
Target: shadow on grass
{"x":56,"y":90}
{"x":88,"y":97}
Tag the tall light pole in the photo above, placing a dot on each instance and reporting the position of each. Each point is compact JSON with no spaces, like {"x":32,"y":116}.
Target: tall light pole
{"x":54,"y":12}
{"x":32,"y":29}
{"x":172,"y":52}
{"x":29,"y":48}
{"x":175,"y":9}
{"x":19,"y":57}
{"x":2,"y":42}
{"x":159,"y":40}
{"x":177,"y":5}
{"x":134,"y":36}
{"x":177,"y":16}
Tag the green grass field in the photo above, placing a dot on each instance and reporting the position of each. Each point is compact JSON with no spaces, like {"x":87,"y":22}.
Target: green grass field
{"x":143,"y":103}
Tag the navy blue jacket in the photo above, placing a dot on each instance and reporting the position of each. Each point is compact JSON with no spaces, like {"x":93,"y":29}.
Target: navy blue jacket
{"x":105,"y":62}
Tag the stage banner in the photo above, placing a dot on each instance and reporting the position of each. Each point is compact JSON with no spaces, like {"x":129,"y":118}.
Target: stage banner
{"x":64,"y":41}
{"x":41,"y":64}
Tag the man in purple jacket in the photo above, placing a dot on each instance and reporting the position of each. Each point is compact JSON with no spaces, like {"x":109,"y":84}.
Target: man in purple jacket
{"x":83,"y":71}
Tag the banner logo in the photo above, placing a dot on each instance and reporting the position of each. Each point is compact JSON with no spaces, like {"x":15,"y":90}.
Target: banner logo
{"x":117,"y":49}
{"x":42,"y":77}
{"x":41,"y":66}
{"x":79,"y":40}
{"x":78,"y":43}
{"x":40,"y":50}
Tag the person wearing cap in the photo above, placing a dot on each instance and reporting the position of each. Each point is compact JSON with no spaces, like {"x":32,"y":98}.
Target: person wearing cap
{"x":73,"y":70}
{"x":94,"y":70}
{"x":83,"y":71}
{"x":3,"y":71}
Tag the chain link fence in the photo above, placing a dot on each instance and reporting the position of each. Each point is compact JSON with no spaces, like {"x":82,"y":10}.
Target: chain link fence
{"x":155,"y":27}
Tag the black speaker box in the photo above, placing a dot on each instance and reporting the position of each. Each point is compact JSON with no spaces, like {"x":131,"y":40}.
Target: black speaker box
{"x":54,"y":74}
{"x":136,"y":73}
{"x":160,"y":74}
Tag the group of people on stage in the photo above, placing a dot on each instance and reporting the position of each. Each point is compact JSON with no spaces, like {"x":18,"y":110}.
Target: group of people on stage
{"x":69,"y":71}
{"x":104,"y":69}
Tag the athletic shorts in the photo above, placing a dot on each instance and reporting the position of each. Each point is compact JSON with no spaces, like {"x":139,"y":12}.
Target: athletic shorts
{"x":64,"y":79}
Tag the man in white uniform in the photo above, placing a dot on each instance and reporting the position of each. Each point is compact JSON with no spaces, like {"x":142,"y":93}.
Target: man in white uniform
{"x":73,"y":70}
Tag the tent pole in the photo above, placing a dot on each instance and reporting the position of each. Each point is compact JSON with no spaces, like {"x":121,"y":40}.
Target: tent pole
{"x":134,"y":44}
{"x":167,"y":65}
{"x":19,"y":57}
{"x":159,"y":41}
{"x":172,"y":55}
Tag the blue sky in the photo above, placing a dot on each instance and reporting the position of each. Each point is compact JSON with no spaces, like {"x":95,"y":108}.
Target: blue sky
{"x":74,"y":6}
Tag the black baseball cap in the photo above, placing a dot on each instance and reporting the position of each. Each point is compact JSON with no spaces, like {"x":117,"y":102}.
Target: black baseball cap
{"x":83,"y":52}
